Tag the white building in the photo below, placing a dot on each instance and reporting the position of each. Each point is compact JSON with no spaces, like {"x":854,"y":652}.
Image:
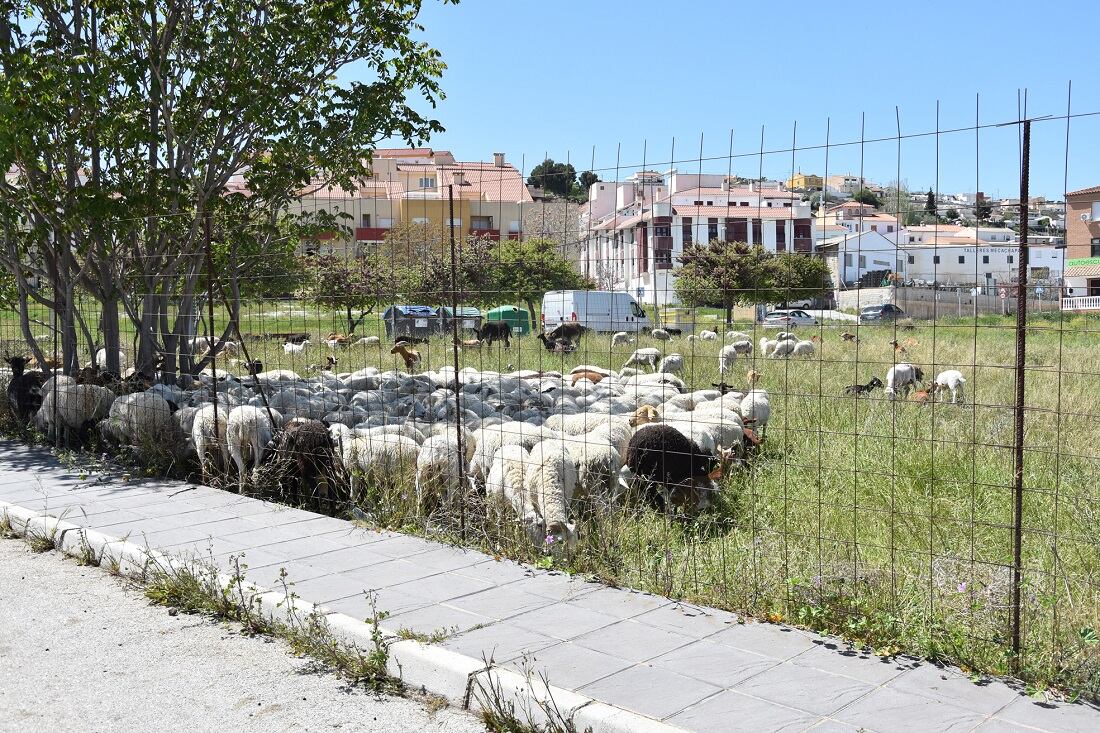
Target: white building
{"x":861,"y":253}
{"x":637,"y":229}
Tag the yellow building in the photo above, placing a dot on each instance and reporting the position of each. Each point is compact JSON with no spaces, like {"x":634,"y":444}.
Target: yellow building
{"x":802,"y":181}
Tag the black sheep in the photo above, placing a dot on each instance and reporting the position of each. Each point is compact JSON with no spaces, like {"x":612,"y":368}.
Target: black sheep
{"x":675,"y":469}
{"x":495,"y":331}
{"x":23,"y":388}
{"x":306,"y":444}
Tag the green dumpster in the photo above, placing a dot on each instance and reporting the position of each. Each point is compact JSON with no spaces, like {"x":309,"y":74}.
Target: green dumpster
{"x":514,"y":316}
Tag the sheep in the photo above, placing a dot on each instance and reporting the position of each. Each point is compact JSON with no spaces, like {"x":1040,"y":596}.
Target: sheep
{"x":410,"y":356}
{"x":953,"y":381}
{"x":506,"y":480}
{"x":732,"y":336}
{"x":647,"y":355}
{"x":361,"y":455}
{"x":74,"y":406}
{"x":141,"y":416}
{"x":550,"y":480}
{"x":291,"y":347}
{"x":248,"y":434}
{"x":849,"y":337}
{"x":742,"y":346}
{"x":803,"y":348}
{"x":784,"y":348}
{"x":644,"y":415}
{"x":438,"y":463}
{"x":593,"y":377}
{"x":677,"y":472}
{"x":598,"y":462}
{"x":767,"y":345}
{"x":208,"y":435}
{"x":903,"y":376}
{"x":307,"y":444}
{"x":756,"y":409}
{"x":23,"y":389}
{"x":672,"y":364}
{"x":101,"y":359}
{"x":368,"y":341}
{"x":660,"y":334}
{"x":727,"y":355}
{"x":708,"y":335}
{"x":620,"y":338}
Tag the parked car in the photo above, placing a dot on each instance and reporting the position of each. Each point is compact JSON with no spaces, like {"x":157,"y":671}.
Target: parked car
{"x":788,"y":319}
{"x":881,"y":313}
{"x":599,"y":310}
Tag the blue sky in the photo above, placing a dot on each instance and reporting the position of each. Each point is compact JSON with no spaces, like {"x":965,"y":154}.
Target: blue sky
{"x":633,"y":80}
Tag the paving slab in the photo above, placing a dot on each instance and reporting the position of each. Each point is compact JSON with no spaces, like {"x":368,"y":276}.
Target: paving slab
{"x":648,"y":662}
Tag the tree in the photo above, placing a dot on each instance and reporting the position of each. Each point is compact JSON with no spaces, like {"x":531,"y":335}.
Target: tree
{"x":866,"y":196}
{"x":355,"y":286}
{"x":555,"y":178}
{"x":587,"y":178}
{"x":817,"y":197}
{"x":527,"y":270}
{"x":138,"y":132}
{"x":983,"y":209}
{"x":952,"y":214}
{"x":930,"y":204}
{"x":723,"y":275}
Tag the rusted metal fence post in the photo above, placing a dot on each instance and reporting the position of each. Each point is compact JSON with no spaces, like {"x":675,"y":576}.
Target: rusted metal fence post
{"x":1018,"y":437}
{"x":454,"y":349}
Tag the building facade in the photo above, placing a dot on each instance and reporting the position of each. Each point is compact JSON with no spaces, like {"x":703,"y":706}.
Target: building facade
{"x":805,"y":181}
{"x":636,"y":230}
{"x":1082,"y":273}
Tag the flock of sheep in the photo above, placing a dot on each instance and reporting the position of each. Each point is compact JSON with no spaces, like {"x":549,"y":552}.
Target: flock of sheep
{"x":543,"y":443}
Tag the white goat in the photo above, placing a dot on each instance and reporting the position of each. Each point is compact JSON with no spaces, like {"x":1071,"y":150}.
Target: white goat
{"x":756,"y":409}
{"x":903,"y":376}
{"x":292,"y":348}
{"x":953,"y":381}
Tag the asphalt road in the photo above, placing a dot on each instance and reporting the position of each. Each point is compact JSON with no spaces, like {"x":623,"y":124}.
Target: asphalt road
{"x":83,"y":651}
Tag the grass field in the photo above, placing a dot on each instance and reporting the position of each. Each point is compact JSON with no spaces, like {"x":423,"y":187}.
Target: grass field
{"x":889,"y":522}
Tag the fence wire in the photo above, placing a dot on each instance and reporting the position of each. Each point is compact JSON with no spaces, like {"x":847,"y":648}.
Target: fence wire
{"x":876,"y":420}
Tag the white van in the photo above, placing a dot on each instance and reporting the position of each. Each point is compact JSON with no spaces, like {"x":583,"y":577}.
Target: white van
{"x":600,"y":310}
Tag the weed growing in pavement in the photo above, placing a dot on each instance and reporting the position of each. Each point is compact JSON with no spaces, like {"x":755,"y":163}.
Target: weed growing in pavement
{"x":500,"y":713}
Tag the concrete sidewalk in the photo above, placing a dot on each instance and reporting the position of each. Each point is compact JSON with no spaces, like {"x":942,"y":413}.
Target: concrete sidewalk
{"x":625,"y":659}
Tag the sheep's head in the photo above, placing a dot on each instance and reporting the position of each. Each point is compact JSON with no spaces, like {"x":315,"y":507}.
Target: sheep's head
{"x":644,"y":415}
{"x":561,"y":537}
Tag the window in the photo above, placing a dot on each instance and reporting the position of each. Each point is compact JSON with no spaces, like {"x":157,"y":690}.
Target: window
{"x":912,"y":239}
{"x":710,"y":203}
{"x":874,"y":227}
{"x":780,"y":236}
{"x":1011,"y":259}
{"x":936,"y":260}
{"x":757,"y":231}
{"x":385,"y":223}
{"x":737,"y":230}
{"x":420,"y":220}
{"x":744,"y":203}
{"x":663,"y":229}
{"x":427,"y":182}
{"x":686,"y":230}
{"x":1096,"y":210}
{"x":802,"y":231}
{"x":889,"y":228}
{"x":1094,"y":250}
{"x":786,"y":204}
{"x":862,"y":261}
{"x":455,"y":222}
{"x":712,"y":229}
{"x":662,"y":257}
{"x":697,"y":203}
{"x":985,"y":259}
{"x":637,"y":310}
{"x":481,"y":222}
{"x":962,"y":259}
{"x":847,"y":259}
{"x":912,"y":260}
{"x":364,"y":221}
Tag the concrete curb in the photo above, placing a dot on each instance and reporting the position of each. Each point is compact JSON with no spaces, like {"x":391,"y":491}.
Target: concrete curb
{"x":462,"y":680}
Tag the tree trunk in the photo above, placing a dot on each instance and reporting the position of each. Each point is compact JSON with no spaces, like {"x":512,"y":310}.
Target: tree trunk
{"x":108,"y":324}
{"x":531,"y":310}
{"x":729,"y":316}
{"x":351,"y":323}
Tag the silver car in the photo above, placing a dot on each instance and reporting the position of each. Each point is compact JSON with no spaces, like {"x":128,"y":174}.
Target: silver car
{"x":788,"y":319}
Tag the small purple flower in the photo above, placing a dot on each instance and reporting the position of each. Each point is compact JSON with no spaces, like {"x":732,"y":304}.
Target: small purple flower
{"x":550,"y":539}
{"x":817,"y":582}
{"x":962,"y":587}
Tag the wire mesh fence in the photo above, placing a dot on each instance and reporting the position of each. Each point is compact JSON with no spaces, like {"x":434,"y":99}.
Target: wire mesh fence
{"x":874,"y":417}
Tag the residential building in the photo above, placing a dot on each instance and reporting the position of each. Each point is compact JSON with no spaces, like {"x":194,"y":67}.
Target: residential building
{"x":1082,"y":272}
{"x":805,"y":181}
{"x":845,"y":184}
{"x":410,"y":185}
{"x":853,"y":255}
{"x":856,"y":217}
{"x":637,"y":229}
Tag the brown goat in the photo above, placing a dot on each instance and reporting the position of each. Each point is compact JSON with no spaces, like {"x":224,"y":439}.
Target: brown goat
{"x":410,"y":356}
{"x":847,"y":336}
{"x":593,"y":377}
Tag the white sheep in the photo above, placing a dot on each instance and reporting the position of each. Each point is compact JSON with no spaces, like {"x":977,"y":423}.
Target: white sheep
{"x":598,"y":463}
{"x":73,"y":406}
{"x":550,"y":480}
{"x":101,"y":359}
{"x":505,"y":481}
{"x":438,"y":463}
{"x":903,"y":376}
{"x":620,"y":338}
{"x":368,"y":341}
{"x":248,"y":434}
{"x":803,"y":348}
{"x":783,"y":349}
{"x":209,"y":438}
{"x":742,"y":346}
{"x":660,"y":334}
{"x":953,"y":381}
{"x":756,"y":409}
{"x":646,"y":355}
{"x":708,"y":335}
{"x":292,"y":348}
{"x":140,"y":416}
{"x":672,"y":364}
{"x":727,"y":355}
{"x":376,"y":450}
{"x":767,"y":345}
{"x":732,"y":336}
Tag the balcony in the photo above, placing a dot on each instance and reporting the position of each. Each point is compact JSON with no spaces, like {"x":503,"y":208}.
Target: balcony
{"x":1083,"y":303}
{"x":493,"y":234}
{"x":370,"y":234}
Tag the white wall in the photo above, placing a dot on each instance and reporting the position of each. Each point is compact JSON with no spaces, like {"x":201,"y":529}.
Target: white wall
{"x":1001,"y":265}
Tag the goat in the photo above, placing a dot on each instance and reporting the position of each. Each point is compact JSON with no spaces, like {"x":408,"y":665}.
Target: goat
{"x":855,"y":390}
{"x":23,"y":389}
{"x":569,"y":331}
{"x":557,"y":345}
{"x":495,"y":331}
{"x":411,"y":357}
{"x":847,"y":336}
{"x":950,"y":380}
{"x":295,"y":348}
